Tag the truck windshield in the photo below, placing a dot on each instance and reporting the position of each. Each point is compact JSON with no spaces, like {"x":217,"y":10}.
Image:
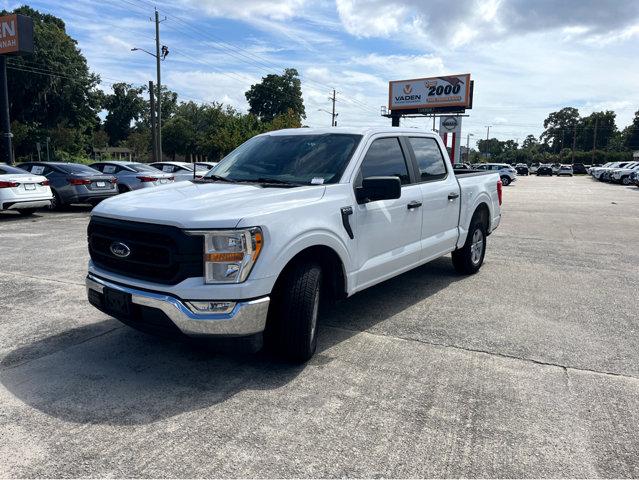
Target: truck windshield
{"x":294,"y":159}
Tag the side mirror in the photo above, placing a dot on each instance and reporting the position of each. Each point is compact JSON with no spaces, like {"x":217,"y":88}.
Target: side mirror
{"x":378,"y":188}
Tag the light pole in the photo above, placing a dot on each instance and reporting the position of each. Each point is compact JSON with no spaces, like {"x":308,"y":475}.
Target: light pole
{"x":468,"y":146}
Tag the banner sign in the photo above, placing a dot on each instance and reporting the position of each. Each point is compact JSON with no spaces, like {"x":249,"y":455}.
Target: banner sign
{"x":16,"y":35}
{"x":452,"y":91}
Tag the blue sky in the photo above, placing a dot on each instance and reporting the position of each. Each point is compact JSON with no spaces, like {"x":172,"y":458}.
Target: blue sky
{"x":527,"y":58}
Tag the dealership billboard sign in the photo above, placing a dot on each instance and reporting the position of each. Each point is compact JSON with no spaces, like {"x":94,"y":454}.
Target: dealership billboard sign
{"x":438,"y":93}
{"x":16,"y":35}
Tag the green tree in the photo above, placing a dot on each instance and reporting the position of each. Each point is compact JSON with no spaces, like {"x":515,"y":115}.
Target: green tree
{"x":178,"y":136}
{"x":124,"y":106}
{"x":492,"y":147}
{"x":631,"y":134}
{"x":559,"y":127}
{"x":530,"y":143}
{"x":53,"y":87}
{"x":606,"y":130}
{"x":276,"y":95}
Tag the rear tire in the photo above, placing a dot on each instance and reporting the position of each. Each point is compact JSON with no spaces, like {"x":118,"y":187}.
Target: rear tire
{"x":292,"y":329}
{"x":469,"y":259}
{"x":505,"y":181}
{"x":27,"y":211}
{"x":56,"y":202}
{"x":123,"y":189}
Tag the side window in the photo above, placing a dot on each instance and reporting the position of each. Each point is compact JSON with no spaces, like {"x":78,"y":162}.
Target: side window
{"x":385,"y":158}
{"x":429,"y":158}
{"x":167,"y":168}
{"x":37,"y":169}
{"x":108,"y":168}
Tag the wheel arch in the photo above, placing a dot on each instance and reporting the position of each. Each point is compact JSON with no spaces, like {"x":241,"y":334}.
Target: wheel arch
{"x":334,"y":275}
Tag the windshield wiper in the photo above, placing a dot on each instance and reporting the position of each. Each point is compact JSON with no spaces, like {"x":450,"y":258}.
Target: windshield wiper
{"x":272,"y":181}
{"x":214,"y":178}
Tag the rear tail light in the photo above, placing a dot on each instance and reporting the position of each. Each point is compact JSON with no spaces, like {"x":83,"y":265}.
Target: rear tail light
{"x":79,"y":181}
{"x":8,"y":184}
{"x":148,"y":179}
{"x":45,"y":183}
{"x":499,"y":187}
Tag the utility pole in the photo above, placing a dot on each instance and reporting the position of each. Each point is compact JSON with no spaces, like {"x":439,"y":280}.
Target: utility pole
{"x":48,"y":139}
{"x":4,"y":113}
{"x":574,"y":141}
{"x":468,"y":146}
{"x":594,"y":142}
{"x":488,"y":131}
{"x":333,"y":115}
{"x":159,"y":96}
{"x":154,"y":141}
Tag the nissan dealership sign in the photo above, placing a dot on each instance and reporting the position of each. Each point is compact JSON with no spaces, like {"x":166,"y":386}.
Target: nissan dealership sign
{"x":452,"y":91}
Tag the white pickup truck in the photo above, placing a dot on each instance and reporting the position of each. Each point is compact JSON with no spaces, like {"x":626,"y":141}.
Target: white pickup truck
{"x":287,"y":220}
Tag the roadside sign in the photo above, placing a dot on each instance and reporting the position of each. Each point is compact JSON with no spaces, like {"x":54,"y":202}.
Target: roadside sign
{"x":452,"y":91}
{"x":16,"y":35}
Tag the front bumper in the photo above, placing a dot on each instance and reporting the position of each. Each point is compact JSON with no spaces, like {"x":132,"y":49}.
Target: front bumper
{"x":151,"y":309}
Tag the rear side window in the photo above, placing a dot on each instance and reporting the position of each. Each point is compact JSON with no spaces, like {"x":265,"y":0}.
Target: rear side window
{"x":429,"y":158}
{"x":109,"y":168}
{"x":385,"y":159}
{"x":140,"y":167}
{"x":77,"y":168}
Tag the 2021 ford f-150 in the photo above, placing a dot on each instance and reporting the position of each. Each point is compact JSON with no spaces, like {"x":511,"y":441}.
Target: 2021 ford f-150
{"x":287,"y":219}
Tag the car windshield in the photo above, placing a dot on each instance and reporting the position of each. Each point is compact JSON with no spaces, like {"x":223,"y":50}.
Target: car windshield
{"x":295,"y":159}
{"x":6,"y":169}
{"x":140,"y":167}
{"x":77,"y":168}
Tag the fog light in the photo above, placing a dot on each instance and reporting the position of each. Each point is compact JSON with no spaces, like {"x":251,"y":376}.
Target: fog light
{"x":211,"y":307}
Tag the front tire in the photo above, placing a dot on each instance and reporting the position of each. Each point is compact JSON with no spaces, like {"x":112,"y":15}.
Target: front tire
{"x":505,"y":181}
{"x":469,"y":259}
{"x":294,"y":312}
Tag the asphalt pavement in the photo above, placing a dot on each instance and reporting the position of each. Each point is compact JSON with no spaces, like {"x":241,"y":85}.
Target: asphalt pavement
{"x":528,"y":369}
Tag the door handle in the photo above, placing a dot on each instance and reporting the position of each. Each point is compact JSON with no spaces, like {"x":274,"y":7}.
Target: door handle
{"x":414,"y":204}
{"x":453,"y":195}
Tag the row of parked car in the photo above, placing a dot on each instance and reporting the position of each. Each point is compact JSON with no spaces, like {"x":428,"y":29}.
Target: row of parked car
{"x":625,"y":173}
{"x":33,"y":185}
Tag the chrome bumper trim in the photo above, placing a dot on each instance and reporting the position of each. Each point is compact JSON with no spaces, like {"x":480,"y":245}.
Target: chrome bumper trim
{"x":247,"y":318}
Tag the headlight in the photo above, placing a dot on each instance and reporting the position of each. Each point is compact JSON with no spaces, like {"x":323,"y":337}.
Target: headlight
{"x":229,"y":255}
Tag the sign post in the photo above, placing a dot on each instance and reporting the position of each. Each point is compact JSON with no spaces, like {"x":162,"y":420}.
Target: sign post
{"x":16,"y":38}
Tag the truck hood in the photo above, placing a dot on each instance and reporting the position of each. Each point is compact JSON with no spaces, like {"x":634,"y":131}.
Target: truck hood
{"x":204,"y":205}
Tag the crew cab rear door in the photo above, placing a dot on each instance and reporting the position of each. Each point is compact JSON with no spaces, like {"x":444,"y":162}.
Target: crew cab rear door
{"x":388,"y":232}
{"x":441,"y":196}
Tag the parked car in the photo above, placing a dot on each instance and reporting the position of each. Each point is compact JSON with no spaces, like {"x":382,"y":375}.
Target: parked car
{"x":133,"y":175}
{"x":634,"y":178}
{"x":598,"y":172}
{"x":206,"y":165}
{"x":622,"y":175}
{"x":74,"y":183}
{"x":579,"y":168}
{"x":462,"y":166}
{"x":288,"y":219}
{"x":22,"y":191}
{"x":507,"y":173}
{"x":565,"y":170}
{"x":522,"y":169}
{"x":544,"y":169}
{"x":181,"y":171}
{"x":533,"y":167}
{"x":555,"y":168}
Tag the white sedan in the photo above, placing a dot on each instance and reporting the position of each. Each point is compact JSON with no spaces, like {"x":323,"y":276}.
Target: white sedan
{"x":23,"y":191}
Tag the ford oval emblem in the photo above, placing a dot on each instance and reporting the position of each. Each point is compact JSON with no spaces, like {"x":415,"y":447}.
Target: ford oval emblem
{"x":120,"y":249}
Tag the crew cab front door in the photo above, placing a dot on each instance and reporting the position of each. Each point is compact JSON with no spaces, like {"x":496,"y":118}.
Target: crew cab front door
{"x":388,"y":232}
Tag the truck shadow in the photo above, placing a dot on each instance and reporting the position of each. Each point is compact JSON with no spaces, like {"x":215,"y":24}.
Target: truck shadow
{"x":106,"y":373}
